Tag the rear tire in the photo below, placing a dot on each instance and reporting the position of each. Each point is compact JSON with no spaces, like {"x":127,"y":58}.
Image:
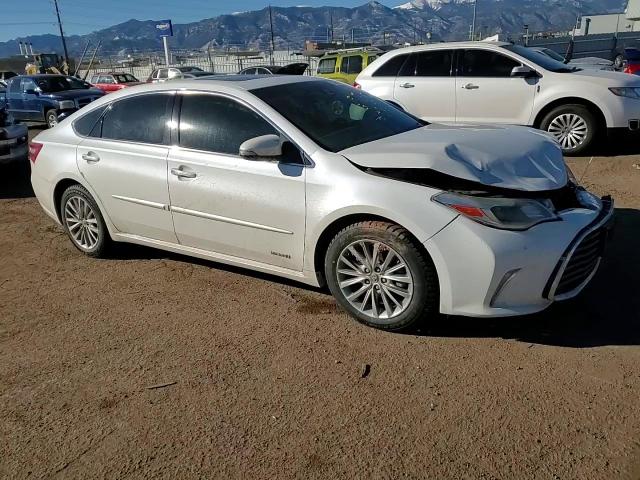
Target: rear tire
{"x":83,"y":222}
{"x":573,"y":126}
{"x":382,"y":276}
{"x":51,"y":118}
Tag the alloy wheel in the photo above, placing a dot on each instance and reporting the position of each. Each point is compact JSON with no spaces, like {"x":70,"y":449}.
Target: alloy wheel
{"x":374,"y":279}
{"x":81,"y":222}
{"x":569,"y":129}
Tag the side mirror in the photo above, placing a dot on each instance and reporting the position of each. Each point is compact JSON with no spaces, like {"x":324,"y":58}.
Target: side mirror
{"x":523,"y":72}
{"x":266,"y":146}
{"x":31,"y":91}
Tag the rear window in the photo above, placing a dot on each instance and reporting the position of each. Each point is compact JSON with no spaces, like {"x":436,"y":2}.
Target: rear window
{"x":391,"y":67}
{"x":327,"y":65}
{"x":85,"y":125}
{"x":351,"y":64}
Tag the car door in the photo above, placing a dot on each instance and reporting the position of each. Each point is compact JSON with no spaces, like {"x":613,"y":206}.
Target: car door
{"x":486,"y":92}
{"x":252,"y":209}
{"x":426,"y":87}
{"x":31,"y":102}
{"x":15,"y":103}
{"x":124,"y":159}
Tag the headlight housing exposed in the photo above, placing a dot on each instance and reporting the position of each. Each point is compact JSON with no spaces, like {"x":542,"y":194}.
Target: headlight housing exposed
{"x":66,"y":104}
{"x":629,"y":92}
{"x":498,"y":212}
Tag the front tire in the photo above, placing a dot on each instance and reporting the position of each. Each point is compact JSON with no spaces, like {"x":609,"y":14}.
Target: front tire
{"x":381,"y":275}
{"x":51,"y":117}
{"x":573,"y":126}
{"x":83,"y":222}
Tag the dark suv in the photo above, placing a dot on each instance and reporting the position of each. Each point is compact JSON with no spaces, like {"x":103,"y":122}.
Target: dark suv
{"x":47,"y":98}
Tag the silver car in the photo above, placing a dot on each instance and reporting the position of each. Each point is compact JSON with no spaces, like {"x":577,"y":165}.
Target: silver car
{"x":319,"y":182}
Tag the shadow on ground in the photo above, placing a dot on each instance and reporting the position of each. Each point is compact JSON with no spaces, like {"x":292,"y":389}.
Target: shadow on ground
{"x":607,"y":312}
{"x":15,"y":180}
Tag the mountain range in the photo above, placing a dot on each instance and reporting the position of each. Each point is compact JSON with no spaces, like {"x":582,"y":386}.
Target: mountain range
{"x":410,"y":21}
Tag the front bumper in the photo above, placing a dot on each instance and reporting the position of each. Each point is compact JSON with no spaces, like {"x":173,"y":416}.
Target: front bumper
{"x":13,"y":143}
{"x":486,"y":272}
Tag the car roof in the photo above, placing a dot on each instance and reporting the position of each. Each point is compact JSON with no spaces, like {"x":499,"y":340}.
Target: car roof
{"x":442,"y":45}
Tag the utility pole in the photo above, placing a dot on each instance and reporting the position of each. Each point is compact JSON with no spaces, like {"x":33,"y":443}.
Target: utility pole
{"x":272,"y":41}
{"x":473,"y":23}
{"x":331,"y":21}
{"x":64,"y":42}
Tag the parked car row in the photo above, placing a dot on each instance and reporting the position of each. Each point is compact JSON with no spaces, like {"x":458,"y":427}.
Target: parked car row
{"x":322,"y":183}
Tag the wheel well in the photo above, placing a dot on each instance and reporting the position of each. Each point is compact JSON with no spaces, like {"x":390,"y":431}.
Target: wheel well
{"x":332,"y":229}
{"x":592,"y":107}
{"x":61,"y":186}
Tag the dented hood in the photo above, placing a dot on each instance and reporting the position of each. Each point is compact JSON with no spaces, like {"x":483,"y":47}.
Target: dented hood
{"x":517,"y":158}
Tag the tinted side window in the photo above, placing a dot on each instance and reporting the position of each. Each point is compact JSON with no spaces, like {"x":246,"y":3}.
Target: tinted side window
{"x":434,"y":64}
{"x":351,"y":64}
{"x":328,"y":65}
{"x":28,"y":84}
{"x":483,"y":63}
{"x":391,"y":67}
{"x":372,"y":58}
{"x":143,"y":118}
{"x":94,"y":79}
{"x":86,"y":125}
{"x":218,"y":124}
{"x":14,"y":86}
{"x":162,"y":73}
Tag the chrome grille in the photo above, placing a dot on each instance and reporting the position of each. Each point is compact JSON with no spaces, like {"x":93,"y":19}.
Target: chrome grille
{"x":583,"y":262}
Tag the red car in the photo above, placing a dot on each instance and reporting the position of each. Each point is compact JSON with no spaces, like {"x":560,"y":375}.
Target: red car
{"x":111,"y":82}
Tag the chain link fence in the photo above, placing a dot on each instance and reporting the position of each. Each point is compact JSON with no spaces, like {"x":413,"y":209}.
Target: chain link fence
{"x":142,"y":66}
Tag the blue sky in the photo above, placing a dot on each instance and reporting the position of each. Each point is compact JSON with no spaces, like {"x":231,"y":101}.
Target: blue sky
{"x":83,"y":16}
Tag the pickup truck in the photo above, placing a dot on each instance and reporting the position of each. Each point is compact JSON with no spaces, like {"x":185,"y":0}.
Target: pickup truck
{"x":44,"y":98}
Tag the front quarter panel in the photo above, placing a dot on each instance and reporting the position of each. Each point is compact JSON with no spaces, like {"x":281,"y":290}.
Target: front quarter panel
{"x":337,"y":189}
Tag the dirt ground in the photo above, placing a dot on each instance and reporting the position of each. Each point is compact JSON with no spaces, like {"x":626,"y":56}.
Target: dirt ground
{"x":262,"y":378}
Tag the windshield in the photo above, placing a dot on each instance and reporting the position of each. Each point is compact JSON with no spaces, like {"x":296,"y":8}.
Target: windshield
{"x":540,"y":59}
{"x":125,"y":78}
{"x":550,"y":53}
{"x":60,"y":84}
{"x":336,"y":116}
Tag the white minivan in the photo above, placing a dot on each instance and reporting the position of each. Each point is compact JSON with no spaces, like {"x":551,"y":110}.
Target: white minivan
{"x":503,"y":83}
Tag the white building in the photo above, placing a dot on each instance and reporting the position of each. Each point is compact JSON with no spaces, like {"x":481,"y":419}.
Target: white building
{"x":627,"y":21}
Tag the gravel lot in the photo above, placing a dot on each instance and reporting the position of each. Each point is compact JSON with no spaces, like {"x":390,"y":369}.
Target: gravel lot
{"x":263,"y":378}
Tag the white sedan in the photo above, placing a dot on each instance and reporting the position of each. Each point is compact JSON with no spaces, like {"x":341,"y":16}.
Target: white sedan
{"x":316,"y":181}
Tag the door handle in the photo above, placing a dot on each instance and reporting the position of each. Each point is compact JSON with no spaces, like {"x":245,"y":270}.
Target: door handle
{"x":470,"y":86}
{"x":178,"y":172}
{"x":407,"y":85}
{"x":91,"y":157}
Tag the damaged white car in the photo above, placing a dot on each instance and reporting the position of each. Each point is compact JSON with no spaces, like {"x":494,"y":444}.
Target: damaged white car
{"x":316,"y":181}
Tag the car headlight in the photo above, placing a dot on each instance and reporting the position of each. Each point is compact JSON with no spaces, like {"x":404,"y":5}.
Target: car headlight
{"x":630,"y":92}
{"x":66,"y":104}
{"x":497,"y":212}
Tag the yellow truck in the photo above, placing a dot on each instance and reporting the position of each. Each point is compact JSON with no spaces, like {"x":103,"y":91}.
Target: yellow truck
{"x":345,"y":65}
